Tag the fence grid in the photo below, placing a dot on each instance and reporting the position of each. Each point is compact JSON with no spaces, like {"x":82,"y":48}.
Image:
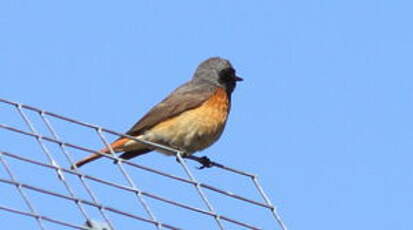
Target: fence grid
{"x":143,"y":197}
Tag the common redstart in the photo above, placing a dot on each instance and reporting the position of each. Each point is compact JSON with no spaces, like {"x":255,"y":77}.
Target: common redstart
{"x":190,"y":119}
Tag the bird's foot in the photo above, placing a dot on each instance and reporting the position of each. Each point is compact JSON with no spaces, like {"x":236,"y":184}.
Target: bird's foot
{"x":204,"y":161}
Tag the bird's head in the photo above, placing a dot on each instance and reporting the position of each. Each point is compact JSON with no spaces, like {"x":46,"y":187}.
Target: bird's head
{"x":217,"y":71}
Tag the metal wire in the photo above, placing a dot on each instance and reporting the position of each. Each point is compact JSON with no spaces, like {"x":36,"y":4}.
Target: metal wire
{"x":199,"y":190}
{"x":26,"y":199}
{"x":130,"y":182}
{"x":131,"y":186}
{"x":23,"y":213}
{"x":51,"y":160}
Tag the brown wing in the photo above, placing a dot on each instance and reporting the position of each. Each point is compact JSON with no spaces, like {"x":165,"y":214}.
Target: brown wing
{"x":187,"y":96}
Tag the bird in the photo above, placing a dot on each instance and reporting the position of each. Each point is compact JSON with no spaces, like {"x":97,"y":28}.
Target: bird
{"x":189,"y":119}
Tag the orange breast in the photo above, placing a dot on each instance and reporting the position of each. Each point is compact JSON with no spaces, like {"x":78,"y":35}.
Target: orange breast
{"x":195,"y":129}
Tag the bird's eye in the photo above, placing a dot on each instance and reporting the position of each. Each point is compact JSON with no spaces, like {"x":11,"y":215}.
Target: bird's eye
{"x":227,"y":74}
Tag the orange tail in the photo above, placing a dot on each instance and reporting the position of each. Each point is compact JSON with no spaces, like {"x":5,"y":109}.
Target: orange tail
{"x":116,"y":146}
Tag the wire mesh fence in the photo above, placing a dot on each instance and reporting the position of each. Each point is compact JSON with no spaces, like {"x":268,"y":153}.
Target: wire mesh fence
{"x":39,"y":190}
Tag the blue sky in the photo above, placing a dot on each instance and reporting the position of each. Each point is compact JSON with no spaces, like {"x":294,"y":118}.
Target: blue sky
{"x":324,"y":115}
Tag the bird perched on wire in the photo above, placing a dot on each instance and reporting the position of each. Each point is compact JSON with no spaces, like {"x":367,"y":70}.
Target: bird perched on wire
{"x":190,"y":119}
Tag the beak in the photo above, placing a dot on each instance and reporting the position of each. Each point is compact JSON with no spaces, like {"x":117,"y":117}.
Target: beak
{"x":238,"y":78}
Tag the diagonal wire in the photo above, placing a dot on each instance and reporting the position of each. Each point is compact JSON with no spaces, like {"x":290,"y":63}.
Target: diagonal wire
{"x":53,"y":162}
{"x":46,"y":218}
{"x":268,"y":201}
{"x":199,"y":190}
{"x":90,"y":203}
{"x":22,"y":194}
{"x":69,"y":159}
{"x":130,"y":181}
